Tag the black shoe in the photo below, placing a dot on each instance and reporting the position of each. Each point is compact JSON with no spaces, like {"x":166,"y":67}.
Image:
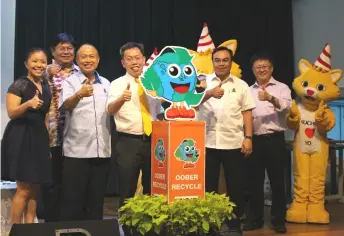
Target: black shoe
{"x":280,"y":228}
{"x":253,"y":225}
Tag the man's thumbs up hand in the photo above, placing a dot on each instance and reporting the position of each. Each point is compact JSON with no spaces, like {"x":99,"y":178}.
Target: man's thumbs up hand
{"x":126,"y":96}
{"x":86,"y":90}
{"x":218,"y":92}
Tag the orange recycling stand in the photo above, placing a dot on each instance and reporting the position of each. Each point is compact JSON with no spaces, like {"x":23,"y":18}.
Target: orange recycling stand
{"x":178,"y":159}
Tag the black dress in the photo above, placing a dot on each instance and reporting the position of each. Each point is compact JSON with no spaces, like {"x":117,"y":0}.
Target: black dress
{"x":25,"y":154}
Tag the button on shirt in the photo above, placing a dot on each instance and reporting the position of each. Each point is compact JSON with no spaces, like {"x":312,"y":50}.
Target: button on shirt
{"x":129,"y":118}
{"x":266,"y":117}
{"x":87,"y":126}
{"x":224,"y":120}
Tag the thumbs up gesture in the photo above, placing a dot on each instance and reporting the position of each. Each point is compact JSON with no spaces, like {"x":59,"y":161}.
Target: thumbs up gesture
{"x":218,"y":92}
{"x":86,"y":89}
{"x":54,"y":69}
{"x":127,"y":93}
{"x":320,"y":113}
{"x":294,"y":111}
{"x":263,"y":95}
{"x":35,"y":102}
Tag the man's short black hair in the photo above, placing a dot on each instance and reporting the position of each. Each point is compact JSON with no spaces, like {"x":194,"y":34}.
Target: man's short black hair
{"x":131,"y":45}
{"x":63,"y":38}
{"x":262,"y":56}
{"x":222,"y":48}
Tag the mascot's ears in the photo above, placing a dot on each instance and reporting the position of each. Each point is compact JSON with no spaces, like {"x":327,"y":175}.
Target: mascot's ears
{"x":304,"y":65}
{"x":230,"y":44}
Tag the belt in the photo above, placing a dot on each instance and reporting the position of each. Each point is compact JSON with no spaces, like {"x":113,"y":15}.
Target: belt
{"x":135,"y":136}
{"x":270,"y":135}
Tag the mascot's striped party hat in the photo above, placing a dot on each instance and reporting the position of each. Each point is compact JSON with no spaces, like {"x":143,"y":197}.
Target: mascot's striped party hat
{"x":205,"y":42}
{"x":150,"y":59}
{"x":324,"y":60}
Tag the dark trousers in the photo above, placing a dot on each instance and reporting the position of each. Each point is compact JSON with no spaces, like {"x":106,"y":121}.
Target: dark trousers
{"x":269,"y":152}
{"x":132,"y":154}
{"x":51,"y":191}
{"x":83,"y":188}
{"x":234,"y":167}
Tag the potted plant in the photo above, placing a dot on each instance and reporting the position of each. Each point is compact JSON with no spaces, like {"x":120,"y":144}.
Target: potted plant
{"x":197,"y":216}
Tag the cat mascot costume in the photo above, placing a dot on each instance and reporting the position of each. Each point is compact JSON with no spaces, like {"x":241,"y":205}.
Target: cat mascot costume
{"x":311,"y":119}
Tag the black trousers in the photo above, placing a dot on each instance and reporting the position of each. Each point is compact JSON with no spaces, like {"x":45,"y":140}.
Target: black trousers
{"x":51,"y":192}
{"x":83,"y":187}
{"x":234,"y":167}
{"x":133,"y":153}
{"x":270,"y":154}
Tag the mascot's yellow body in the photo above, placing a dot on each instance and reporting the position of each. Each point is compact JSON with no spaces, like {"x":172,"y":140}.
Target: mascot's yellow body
{"x":311,"y":119}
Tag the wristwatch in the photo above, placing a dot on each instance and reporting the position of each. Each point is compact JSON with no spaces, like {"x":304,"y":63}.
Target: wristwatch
{"x":272,"y":100}
{"x":248,"y":137}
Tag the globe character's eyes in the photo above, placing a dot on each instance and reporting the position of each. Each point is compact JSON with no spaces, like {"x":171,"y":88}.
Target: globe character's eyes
{"x":192,"y":148}
{"x":173,"y":70}
{"x":188,"y":70}
{"x":187,"y":148}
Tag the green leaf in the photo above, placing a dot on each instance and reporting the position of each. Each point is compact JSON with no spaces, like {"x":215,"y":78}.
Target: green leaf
{"x":147,"y":226}
{"x":205,"y":225}
{"x":193,"y":229}
{"x":142,"y":231}
{"x":134,"y":221}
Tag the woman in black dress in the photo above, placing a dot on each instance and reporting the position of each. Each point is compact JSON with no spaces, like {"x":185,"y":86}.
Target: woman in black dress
{"x":25,"y":144}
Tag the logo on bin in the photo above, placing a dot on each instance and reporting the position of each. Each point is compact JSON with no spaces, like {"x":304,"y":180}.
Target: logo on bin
{"x":188,"y":153}
{"x":160,"y":152}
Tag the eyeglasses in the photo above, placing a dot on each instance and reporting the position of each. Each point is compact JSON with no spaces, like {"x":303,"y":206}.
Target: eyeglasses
{"x":62,"y":49}
{"x":218,"y":60}
{"x":264,"y":67}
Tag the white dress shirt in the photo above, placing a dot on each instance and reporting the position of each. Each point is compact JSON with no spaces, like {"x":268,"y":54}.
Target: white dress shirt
{"x":87,"y":131}
{"x":128,"y":119}
{"x":224,"y":120}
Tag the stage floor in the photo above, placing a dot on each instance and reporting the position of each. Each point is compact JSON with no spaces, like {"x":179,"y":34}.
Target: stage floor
{"x":335,"y":228}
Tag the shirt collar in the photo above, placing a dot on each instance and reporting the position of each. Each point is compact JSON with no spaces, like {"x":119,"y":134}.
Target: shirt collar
{"x":272,"y":81}
{"x":229,"y":78}
{"x":96,"y":79}
{"x":75,"y":68}
{"x":130,"y":77}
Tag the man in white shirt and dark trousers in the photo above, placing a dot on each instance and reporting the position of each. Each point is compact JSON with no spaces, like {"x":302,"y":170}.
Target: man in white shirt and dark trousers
{"x":133,"y":113}
{"x":86,"y":140}
{"x":227,"y":110}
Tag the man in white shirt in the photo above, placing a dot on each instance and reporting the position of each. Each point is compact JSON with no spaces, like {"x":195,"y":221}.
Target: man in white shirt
{"x":133,"y":113}
{"x":86,"y":140}
{"x":227,"y":110}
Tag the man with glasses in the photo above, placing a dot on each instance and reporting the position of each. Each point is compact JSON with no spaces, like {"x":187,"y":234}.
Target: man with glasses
{"x":273,"y":100}
{"x":60,"y":69}
{"x":133,"y":114}
{"x":226,"y":108}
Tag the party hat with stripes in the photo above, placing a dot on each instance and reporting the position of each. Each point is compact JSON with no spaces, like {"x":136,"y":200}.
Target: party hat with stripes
{"x":205,"y":42}
{"x":324,"y":60}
